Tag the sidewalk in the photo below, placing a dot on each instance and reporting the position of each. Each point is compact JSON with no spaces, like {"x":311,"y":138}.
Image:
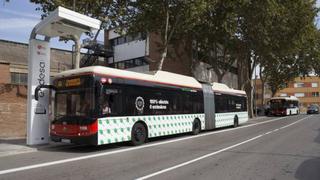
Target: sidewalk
{"x":14,"y":146}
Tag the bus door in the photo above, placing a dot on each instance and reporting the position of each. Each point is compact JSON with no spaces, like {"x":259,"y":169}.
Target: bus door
{"x":209,"y":109}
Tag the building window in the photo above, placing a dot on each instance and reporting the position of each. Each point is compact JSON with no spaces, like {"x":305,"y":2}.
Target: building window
{"x":131,"y":63}
{"x":299,"y":94}
{"x":127,"y":39}
{"x":314,"y":84}
{"x":315,"y":94}
{"x":298,"y":85}
{"x":283,"y":94}
{"x":19,"y":78}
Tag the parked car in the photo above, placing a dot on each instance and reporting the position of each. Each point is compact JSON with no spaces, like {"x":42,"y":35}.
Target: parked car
{"x":313,"y":109}
{"x":267,"y":110}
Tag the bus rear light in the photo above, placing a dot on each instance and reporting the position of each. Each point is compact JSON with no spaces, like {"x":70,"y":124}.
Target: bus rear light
{"x":93,"y":128}
{"x":106,"y":80}
{"x":103,"y":80}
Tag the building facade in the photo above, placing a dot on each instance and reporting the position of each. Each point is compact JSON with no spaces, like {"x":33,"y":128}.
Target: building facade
{"x":307,"y":89}
{"x":13,"y":84}
{"x":142,"y":53}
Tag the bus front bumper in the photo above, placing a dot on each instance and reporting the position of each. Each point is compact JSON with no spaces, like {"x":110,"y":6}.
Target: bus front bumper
{"x":87,"y":140}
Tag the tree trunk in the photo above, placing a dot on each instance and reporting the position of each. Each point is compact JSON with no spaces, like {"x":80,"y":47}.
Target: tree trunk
{"x":248,"y":88}
{"x":165,"y":51}
{"x":273,"y":92}
{"x":262,"y":93}
{"x":220,"y":77}
{"x":163,"y":56}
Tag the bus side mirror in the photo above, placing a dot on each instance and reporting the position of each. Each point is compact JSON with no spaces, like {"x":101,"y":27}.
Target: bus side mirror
{"x":38,"y":88}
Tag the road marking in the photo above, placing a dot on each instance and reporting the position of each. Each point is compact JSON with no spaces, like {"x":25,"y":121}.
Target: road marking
{"x":23,"y":168}
{"x":216,"y":152}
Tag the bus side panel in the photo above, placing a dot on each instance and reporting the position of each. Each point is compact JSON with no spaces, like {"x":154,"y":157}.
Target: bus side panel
{"x":243,"y":117}
{"x":114,"y":129}
{"x":292,"y":111}
{"x":227,"y":119}
{"x":118,"y":129}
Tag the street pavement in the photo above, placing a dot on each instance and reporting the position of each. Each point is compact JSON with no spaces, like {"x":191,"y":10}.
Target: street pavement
{"x":270,"y":148}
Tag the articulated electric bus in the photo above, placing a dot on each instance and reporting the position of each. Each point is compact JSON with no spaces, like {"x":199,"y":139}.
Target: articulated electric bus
{"x":284,"y":105}
{"x":99,"y":105}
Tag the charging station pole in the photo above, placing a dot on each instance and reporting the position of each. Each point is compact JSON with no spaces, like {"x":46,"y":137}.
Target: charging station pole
{"x":60,"y":23}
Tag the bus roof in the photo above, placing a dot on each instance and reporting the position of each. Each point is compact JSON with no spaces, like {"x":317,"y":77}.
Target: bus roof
{"x":162,"y":77}
{"x":293,"y":98}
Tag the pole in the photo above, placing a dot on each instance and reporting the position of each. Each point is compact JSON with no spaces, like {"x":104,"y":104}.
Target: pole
{"x":255,"y":90}
{"x":77,"y":48}
{"x":74,"y":5}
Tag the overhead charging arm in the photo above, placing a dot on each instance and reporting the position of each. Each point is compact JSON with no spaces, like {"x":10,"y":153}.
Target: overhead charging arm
{"x":38,"y":88}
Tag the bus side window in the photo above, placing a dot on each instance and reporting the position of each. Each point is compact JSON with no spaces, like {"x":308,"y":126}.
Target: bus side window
{"x":111,"y":101}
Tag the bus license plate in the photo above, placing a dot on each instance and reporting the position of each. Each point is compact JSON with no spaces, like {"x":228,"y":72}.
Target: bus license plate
{"x":66,"y":140}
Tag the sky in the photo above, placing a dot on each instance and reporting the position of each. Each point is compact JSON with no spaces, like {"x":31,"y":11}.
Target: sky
{"x":17,"y":19}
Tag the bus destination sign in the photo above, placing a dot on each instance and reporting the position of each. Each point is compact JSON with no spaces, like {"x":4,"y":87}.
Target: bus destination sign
{"x":73,"y":82}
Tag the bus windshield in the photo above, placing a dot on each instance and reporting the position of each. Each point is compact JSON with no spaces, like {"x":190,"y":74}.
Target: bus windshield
{"x":75,"y":102}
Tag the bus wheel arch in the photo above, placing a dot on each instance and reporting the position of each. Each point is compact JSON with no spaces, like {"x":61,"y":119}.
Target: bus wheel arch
{"x":139,"y":133}
{"x":196,"y":126}
{"x":235,"y":121}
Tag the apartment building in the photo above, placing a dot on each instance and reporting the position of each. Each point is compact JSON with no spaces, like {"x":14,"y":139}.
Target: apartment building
{"x":306,"y":89}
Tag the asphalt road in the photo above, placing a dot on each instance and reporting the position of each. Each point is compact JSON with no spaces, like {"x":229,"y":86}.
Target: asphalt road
{"x":270,"y":148}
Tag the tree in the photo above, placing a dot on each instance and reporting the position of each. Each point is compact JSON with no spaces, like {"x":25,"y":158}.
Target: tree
{"x":173,"y":20}
{"x":214,"y":36}
{"x":270,"y":34}
{"x":278,"y":35}
{"x":296,"y":54}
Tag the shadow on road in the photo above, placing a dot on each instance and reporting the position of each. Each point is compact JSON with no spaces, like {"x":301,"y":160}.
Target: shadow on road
{"x":310,"y":169}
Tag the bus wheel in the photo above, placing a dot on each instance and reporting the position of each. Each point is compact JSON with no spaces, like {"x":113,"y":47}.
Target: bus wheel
{"x":138,"y":134}
{"x":235,"y":121}
{"x":196,"y":127}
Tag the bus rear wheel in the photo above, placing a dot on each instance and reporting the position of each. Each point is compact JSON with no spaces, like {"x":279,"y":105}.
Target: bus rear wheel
{"x":235,"y":122}
{"x":138,"y":134}
{"x":196,"y":127}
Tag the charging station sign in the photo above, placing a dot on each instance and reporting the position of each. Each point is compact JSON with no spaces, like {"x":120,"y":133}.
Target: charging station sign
{"x":39,"y":74}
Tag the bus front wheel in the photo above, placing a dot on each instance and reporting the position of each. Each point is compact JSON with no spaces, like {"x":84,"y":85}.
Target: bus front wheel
{"x":138,"y":134}
{"x":196,"y":127}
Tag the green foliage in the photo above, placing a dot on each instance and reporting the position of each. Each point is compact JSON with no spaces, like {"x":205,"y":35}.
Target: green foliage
{"x":279,"y":35}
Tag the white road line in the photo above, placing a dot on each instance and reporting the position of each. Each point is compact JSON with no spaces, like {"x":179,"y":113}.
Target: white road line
{"x":216,"y":152}
{"x":23,"y":168}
